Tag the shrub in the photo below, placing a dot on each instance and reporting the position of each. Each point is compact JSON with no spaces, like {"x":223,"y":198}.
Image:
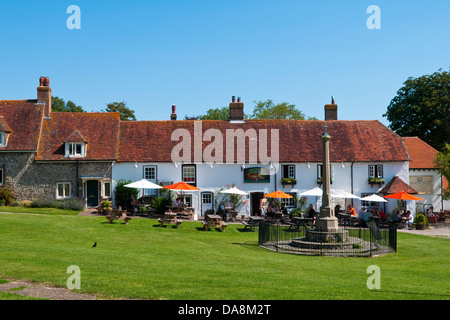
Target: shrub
{"x":26,"y":203}
{"x":68,"y":204}
{"x":295,"y":213}
{"x":122,"y":194}
{"x":7,"y":194}
{"x":15,"y":204}
{"x":160,"y":204}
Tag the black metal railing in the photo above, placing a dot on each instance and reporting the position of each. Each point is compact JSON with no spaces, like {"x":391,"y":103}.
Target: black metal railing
{"x":347,"y":241}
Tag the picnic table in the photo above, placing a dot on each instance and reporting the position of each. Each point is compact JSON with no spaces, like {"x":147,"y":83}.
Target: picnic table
{"x":232,"y":214}
{"x":214,"y":221}
{"x":169,"y":218}
{"x":298,"y":222}
{"x":349,"y":219}
{"x":253,"y":223}
{"x":118,"y":215}
{"x":187,"y":211}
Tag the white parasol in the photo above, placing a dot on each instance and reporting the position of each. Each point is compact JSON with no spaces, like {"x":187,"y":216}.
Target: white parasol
{"x":374,"y":198}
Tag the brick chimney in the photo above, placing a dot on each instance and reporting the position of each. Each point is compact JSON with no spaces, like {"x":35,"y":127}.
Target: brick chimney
{"x":44,"y":95}
{"x":173,"y":115}
{"x":236,"y":110}
{"x":331,"y":110}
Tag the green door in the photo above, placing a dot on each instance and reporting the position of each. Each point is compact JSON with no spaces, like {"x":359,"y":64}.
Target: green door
{"x":92,"y":193}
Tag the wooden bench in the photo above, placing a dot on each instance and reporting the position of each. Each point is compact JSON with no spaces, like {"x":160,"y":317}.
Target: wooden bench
{"x":223,"y":226}
{"x":163,"y":222}
{"x":207,"y":226}
{"x":249,"y":225}
{"x":118,"y":215}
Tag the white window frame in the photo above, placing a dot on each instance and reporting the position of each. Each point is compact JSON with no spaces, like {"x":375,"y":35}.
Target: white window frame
{"x":2,"y":139}
{"x":105,"y":189}
{"x":207,"y":198}
{"x":64,"y":196}
{"x":71,"y":150}
{"x":187,"y":199}
{"x":289,"y":202}
{"x":376,"y":171}
{"x":150,"y":192}
{"x":2,"y":175}
{"x":191,"y":171}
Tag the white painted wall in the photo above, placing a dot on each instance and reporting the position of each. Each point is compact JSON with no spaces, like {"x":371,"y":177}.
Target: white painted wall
{"x":433,"y":199}
{"x":220,"y":175}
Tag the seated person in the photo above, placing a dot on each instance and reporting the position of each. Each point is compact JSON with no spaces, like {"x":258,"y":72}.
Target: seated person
{"x":396,"y":216}
{"x":222,"y":212}
{"x":283,"y":209}
{"x":270,"y":211}
{"x":382,"y":214}
{"x":337,"y":210}
{"x":310,"y":212}
{"x":407,"y":215}
{"x":175,"y":202}
{"x":362,"y":213}
{"x":351,"y":211}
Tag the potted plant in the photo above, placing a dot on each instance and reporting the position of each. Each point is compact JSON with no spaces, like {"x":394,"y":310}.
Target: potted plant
{"x":421,"y":222}
{"x":107,"y":207}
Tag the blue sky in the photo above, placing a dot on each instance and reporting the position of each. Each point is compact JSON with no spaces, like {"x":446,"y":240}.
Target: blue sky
{"x":196,"y":54}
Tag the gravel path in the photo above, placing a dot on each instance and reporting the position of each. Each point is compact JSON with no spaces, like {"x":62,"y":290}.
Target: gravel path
{"x":43,"y":292}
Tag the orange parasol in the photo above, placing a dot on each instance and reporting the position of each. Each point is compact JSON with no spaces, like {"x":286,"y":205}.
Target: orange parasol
{"x":402,"y":196}
{"x":278,"y":194}
{"x":181,"y":186}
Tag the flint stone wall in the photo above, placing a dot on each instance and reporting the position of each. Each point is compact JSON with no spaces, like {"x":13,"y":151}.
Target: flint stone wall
{"x":33,"y":180}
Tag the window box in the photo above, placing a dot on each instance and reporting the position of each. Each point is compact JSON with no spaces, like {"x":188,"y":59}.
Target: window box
{"x":378,"y":181}
{"x":320,"y":180}
{"x":288,"y":181}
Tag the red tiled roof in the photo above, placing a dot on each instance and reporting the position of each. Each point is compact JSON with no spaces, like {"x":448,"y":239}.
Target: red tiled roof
{"x":100,"y":130}
{"x":23,"y":118}
{"x":299,"y":141}
{"x":421,"y":153}
{"x":75,"y":136}
{"x":397,"y":185}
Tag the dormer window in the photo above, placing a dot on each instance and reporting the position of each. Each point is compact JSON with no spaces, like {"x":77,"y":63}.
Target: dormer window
{"x":2,"y":139}
{"x":75,"y":145}
{"x":75,"y":149}
{"x":4,"y":132}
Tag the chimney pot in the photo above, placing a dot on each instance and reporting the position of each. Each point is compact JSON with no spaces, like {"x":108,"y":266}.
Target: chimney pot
{"x":173,"y":116}
{"x":44,"y":95}
{"x":331,"y":110}
{"x":236,"y":110}
{"x":233,"y":99}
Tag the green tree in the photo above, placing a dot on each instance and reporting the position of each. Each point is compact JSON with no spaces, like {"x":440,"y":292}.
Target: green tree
{"x":217,"y":114}
{"x":443,"y":163}
{"x":126,"y":114}
{"x":268,"y":110}
{"x":59,"y":105}
{"x":422,"y":108}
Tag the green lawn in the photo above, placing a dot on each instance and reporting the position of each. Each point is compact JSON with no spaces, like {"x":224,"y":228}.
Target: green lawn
{"x":54,"y":211}
{"x":143,"y":260}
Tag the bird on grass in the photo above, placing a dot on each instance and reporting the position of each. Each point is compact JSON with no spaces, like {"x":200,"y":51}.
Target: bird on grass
{"x":95,"y":244}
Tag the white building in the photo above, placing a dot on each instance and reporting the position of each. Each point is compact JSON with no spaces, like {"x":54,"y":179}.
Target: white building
{"x":255,"y":155}
{"x":424,"y":176}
